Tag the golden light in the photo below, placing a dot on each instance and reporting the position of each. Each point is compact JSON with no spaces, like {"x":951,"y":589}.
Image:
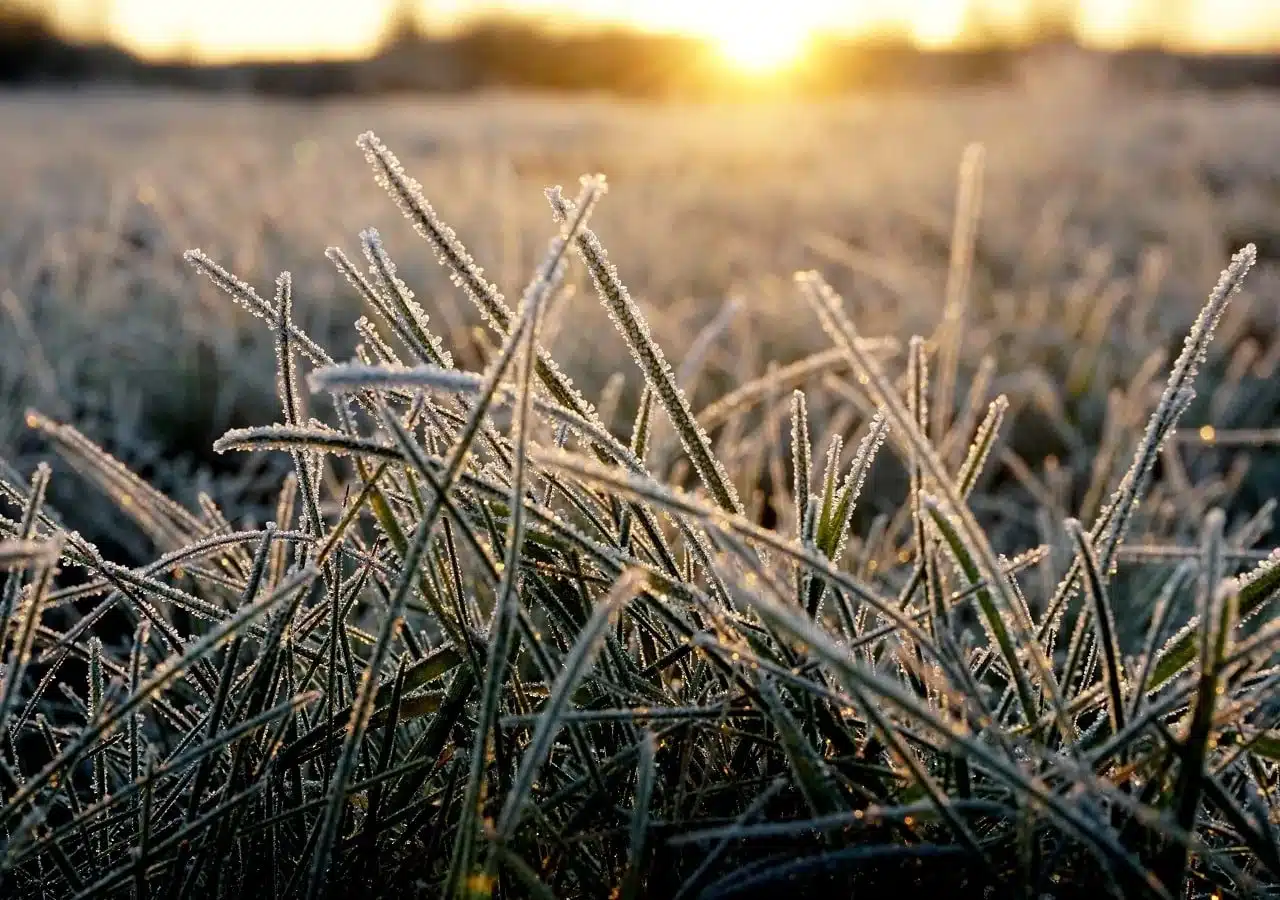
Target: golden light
{"x":937,"y":23}
{"x":754,"y":38}
{"x":758,"y":45}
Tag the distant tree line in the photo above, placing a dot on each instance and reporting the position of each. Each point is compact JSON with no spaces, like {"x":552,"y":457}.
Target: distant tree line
{"x":32,"y":50}
{"x":521,"y":54}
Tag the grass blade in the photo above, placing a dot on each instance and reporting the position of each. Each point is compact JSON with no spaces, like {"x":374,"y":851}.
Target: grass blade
{"x":648,"y":355}
{"x":574,"y":667}
{"x":1104,"y":624}
{"x":827,"y":305}
{"x":646,"y":774}
{"x":1218,"y":605}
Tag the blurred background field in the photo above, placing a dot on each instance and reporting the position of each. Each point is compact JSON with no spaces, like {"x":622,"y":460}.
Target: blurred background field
{"x":1119,"y":179}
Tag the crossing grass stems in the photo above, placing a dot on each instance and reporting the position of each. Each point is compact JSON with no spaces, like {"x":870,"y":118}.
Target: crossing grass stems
{"x":485,"y":655}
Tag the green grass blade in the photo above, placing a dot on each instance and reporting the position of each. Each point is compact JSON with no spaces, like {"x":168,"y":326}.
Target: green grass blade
{"x":995,"y":623}
{"x":20,"y":655}
{"x":880,"y":391}
{"x":574,"y":667}
{"x":1104,"y":624}
{"x":646,"y":775}
{"x":806,"y":764}
{"x":631,"y":324}
{"x":876,"y":690}
{"x":1256,"y":590}
{"x":1218,"y":606}
{"x":161,"y":677}
{"x":362,"y":710}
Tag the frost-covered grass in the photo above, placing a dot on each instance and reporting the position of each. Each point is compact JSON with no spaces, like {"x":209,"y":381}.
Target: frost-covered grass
{"x":797,"y":597}
{"x":1103,"y":217}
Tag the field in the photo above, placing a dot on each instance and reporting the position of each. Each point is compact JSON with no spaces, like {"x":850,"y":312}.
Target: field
{"x":1087,"y":197}
{"x":1103,"y":218}
{"x":1083,"y":195}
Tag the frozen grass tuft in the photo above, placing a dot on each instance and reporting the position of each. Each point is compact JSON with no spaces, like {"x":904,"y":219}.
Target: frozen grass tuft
{"x":485,"y":650}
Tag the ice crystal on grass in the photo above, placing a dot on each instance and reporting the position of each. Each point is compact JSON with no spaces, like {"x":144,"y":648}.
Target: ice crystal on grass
{"x":649,"y":357}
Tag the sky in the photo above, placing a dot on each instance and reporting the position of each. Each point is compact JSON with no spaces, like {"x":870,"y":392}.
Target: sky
{"x":755,"y":30}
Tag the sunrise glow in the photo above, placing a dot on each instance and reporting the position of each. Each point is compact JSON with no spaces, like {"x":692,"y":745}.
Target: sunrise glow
{"x":757,"y":48}
{"x":756,"y":37}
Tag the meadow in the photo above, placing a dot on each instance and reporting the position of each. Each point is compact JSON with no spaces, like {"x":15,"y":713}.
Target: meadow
{"x":816,"y":602}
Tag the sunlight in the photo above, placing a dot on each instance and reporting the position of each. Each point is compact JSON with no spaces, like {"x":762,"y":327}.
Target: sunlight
{"x":1233,"y":23}
{"x":752,"y":38}
{"x":245,"y":29}
{"x":760,"y":45}
{"x":937,"y":23}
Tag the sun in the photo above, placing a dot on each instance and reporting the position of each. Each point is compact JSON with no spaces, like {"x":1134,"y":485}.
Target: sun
{"x":759,"y":46}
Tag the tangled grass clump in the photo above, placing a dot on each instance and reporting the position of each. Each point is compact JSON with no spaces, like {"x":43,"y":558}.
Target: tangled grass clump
{"x":483,"y":650}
